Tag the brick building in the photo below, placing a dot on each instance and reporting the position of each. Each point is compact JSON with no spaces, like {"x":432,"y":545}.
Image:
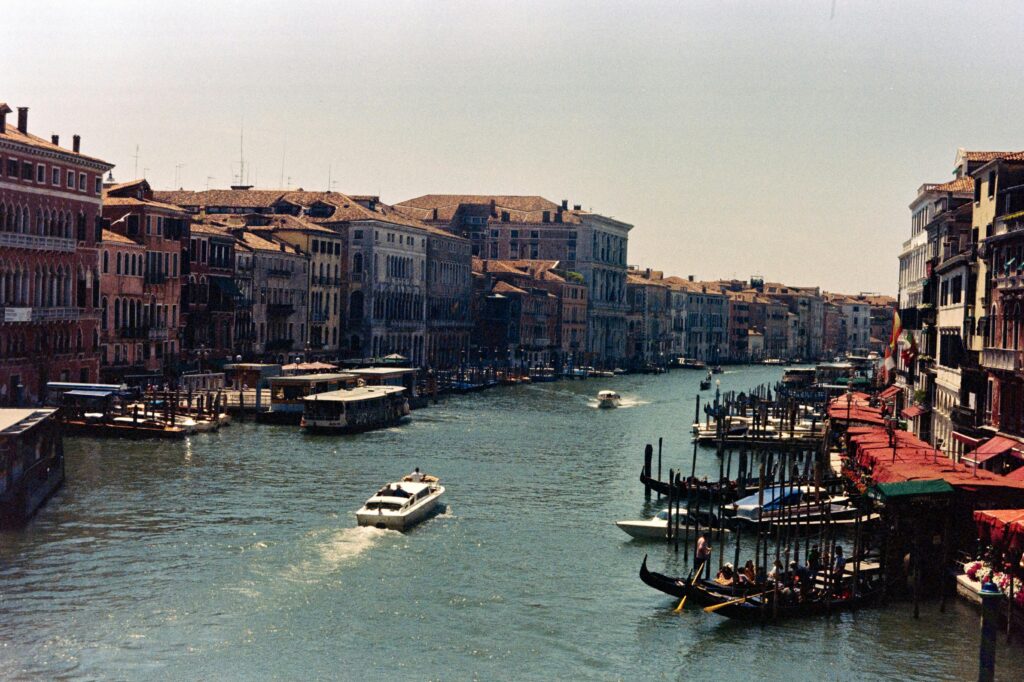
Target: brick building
{"x":50,"y":226}
{"x":123,"y":332}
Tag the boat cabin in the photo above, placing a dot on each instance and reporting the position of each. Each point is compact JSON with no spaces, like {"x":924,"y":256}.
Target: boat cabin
{"x":389,"y":376}
{"x":249,"y":374}
{"x":358,"y":409}
{"x":288,"y":392}
{"x":31,"y":462}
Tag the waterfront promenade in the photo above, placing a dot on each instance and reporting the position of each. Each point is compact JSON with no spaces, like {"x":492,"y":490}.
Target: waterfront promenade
{"x":233,"y":555}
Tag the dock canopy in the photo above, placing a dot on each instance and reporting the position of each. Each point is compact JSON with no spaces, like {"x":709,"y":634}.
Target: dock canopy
{"x":89,"y":394}
{"x":993,"y":447}
{"x":1001,"y":526}
{"x":855,"y":407}
{"x":904,"y":490}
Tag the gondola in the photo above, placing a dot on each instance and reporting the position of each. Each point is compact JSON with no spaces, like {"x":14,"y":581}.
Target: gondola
{"x":700,"y":593}
{"x":706,"y":490}
{"x":759,"y":606}
{"x":705,"y":384}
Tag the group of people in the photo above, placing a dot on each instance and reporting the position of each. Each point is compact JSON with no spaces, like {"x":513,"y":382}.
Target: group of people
{"x":793,"y":583}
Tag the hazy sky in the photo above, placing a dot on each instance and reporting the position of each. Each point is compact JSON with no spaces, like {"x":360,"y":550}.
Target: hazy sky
{"x":779,"y":138}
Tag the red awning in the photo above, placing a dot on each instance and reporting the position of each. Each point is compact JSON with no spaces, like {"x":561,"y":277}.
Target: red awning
{"x":966,"y":440}
{"x":1000,"y":524}
{"x":994,"y":447}
{"x":889,"y":393}
{"x":913,"y":411}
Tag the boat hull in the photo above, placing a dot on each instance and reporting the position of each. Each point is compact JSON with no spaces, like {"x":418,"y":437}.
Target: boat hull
{"x":428,"y":507}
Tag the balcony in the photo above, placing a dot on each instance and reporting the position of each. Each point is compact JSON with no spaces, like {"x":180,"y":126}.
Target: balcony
{"x":158,"y":333}
{"x":280,"y":309}
{"x":155,"y":278}
{"x":279,"y":272}
{"x":14,"y":240}
{"x":1001,"y":359}
{"x":318,"y":317}
{"x":132,"y":332}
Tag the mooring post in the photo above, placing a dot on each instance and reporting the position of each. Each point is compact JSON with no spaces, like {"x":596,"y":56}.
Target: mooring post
{"x":648,"y":454}
{"x":659,"y":463}
{"x":990,"y":599}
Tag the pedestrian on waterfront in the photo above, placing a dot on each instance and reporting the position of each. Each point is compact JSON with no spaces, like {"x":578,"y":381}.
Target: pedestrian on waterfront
{"x":702,"y":558}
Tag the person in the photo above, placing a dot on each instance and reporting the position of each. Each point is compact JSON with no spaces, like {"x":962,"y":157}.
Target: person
{"x":725,"y":575}
{"x":814,"y":560}
{"x":777,"y":574}
{"x":839,"y":566}
{"x":702,"y":558}
{"x":416,"y":476}
{"x":748,"y":575}
{"x":801,"y":578}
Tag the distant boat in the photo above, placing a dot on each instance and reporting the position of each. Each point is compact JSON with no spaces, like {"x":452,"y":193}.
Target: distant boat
{"x":689,"y":363}
{"x":608,"y":399}
{"x":656,"y":528}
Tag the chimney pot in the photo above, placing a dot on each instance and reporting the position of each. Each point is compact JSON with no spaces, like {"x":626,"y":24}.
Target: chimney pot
{"x":577,"y":207}
{"x":23,"y":119}
{"x":76,"y":143}
{"x":55,"y":139}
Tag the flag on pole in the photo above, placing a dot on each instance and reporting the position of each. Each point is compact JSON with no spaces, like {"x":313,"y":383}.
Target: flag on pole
{"x":889,"y":363}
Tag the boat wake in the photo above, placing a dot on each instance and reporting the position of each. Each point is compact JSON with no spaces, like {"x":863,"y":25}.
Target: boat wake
{"x":340,"y":547}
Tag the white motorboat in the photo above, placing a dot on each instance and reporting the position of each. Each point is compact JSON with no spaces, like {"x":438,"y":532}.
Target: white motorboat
{"x":656,"y":527}
{"x":402,"y":504}
{"x":608,"y":399}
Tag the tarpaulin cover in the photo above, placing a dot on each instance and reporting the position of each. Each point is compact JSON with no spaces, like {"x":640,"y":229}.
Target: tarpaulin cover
{"x":1001,"y":525}
{"x":993,"y":447}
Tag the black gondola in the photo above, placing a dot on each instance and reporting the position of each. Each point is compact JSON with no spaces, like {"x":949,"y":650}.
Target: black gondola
{"x":706,"y":490}
{"x":759,"y":606}
{"x":705,"y":384}
{"x":700,"y":592}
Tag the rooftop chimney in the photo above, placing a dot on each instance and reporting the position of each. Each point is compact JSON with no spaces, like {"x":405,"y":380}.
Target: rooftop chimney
{"x":4,"y":110}
{"x":76,"y":143}
{"x":577,"y":207}
{"x":55,"y":139}
{"x":435,"y":214}
{"x":23,"y":119}
{"x":565,"y":204}
{"x":689,"y":278}
{"x":494,"y":205}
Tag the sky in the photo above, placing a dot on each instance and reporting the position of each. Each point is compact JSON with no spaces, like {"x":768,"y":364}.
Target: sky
{"x":776,"y":138}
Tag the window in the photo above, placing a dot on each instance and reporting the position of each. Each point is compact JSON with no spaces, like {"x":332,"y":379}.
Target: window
{"x":534,"y":234}
{"x":12,"y":168}
{"x":98,"y":188}
{"x":515,"y":234}
{"x":26,"y":170}
{"x":316,"y":246}
{"x":106,"y":262}
{"x":159,"y":225}
{"x":55,"y":176}
{"x":41,"y":174}
{"x":149,"y":225}
{"x":71,"y":179}
{"x":81,"y":182}
{"x":357,"y":235}
{"x":991,"y":184}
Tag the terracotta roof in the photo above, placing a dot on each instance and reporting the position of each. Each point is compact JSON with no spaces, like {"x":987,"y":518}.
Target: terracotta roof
{"x":132,"y":201}
{"x":521,"y":209}
{"x":502,"y":287}
{"x":210,"y":228}
{"x":983,"y":156}
{"x":117,"y":238}
{"x":260,"y":244}
{"x":12,"y":134}
{"x":637,"y":280}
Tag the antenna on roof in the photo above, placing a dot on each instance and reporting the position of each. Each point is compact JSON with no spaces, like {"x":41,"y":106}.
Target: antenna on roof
{"x":208,"y":178}
{"x":135,"y":173}
{"x":241,"y":153}
{"x":177,"y":173}
{"x":284,"y":150}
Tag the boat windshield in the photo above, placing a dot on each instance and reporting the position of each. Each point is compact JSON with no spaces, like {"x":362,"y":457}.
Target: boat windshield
{"x":662,"y":515}
{"x":383,"y":505}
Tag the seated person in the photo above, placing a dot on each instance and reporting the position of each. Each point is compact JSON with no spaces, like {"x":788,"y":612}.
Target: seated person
{"x":725,"y":575}
{"x":748,"y":575}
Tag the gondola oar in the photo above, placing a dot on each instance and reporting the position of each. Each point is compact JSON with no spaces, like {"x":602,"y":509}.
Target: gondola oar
{"x":712,"y":609}
{"x":682,"y":602}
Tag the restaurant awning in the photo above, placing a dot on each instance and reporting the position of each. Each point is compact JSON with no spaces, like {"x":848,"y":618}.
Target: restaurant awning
{"x":89,"y":394}
{"x":913,"y":411}
{"x":1000,"y":525}
{"x":889,"y":393}
{"x":905,"y":489}
{"x":993,"y":447}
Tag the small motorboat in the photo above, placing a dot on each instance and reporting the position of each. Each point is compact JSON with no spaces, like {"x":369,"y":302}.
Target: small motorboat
{"x":794,"y":504}
{"x":656,"y":528}
{"x":402,"y":504}
{"x":618,"y":371}
{"x":717,"y":369}
{"x":608,"y":399}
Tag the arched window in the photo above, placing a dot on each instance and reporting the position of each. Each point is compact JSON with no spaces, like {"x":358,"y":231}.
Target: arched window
{"x":355,"y":305}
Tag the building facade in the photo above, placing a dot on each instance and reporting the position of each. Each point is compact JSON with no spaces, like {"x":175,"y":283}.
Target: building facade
{"x":50,"y":230}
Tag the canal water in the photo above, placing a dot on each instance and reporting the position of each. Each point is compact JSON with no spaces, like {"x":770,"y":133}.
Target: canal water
{"x":235,"y":556}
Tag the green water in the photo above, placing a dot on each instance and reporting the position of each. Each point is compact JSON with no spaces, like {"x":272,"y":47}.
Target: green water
{"x":235,"y":556}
